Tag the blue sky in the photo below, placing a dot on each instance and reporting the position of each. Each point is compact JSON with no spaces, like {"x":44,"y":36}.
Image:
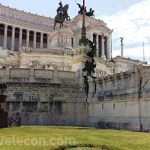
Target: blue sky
{"x":129,"y":19}
{"x":48,"y":7}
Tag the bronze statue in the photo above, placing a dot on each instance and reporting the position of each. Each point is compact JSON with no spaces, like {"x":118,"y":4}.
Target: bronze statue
{"x":90,"y":13}
{"x":121,"y":39}
{"x":62,"y":15}
{"x":60,"y":8}
{"x":89,"y":67}
{"x":90,"y":63}
{"x":81,"y":9}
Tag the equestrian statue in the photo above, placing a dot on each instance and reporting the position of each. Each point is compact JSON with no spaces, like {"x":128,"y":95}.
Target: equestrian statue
{"x":62,"y":15}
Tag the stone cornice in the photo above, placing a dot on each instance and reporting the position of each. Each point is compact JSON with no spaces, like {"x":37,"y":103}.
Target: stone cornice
{"x":26,"y":17}
{"x":88,"y":19}
{"x":99,"y":29}
{"x":92,"y":22}
{"x":40,"y":52}
{"x":22,"y":24}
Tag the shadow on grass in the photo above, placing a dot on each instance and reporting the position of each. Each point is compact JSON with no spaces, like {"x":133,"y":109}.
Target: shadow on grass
{"x":96,"y":147}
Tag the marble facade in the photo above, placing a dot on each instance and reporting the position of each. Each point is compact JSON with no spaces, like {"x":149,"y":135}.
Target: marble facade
{"x":41,"y":75}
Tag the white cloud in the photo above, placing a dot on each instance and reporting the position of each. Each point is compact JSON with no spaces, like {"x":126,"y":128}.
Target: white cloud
{"x":133,"y":24}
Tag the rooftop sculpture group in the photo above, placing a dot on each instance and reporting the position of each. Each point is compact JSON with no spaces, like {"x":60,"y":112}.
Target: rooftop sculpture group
{"x":90,"y":13}
{"x":62,"y":13}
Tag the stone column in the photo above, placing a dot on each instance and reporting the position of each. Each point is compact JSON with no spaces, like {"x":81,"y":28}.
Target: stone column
{"x":34,"y":41}
{"x":108,"y":48}
{"x":121,"y":46}
{"x":27,"y":40}
{"x":5,"y":36}
{"x":13,"y":39}
{"x":20,"y":39}
{"x":103,"y":48}
{"x":97,"y":46}
{"x":48,"y":45}
{"x":41,"y":41}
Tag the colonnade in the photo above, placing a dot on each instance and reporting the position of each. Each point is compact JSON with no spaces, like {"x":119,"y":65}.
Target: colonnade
{"x":13,"y":38}
{"x":102,"y":46}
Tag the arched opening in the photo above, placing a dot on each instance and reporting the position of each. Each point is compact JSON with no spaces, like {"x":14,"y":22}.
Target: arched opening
{"x":9,"y":37}
{"x":38,"y":40}
{"x":45,"y":39}
{"x":2,"y":27}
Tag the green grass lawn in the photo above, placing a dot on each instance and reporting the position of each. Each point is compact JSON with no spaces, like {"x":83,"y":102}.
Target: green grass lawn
{"x":54,"y":138}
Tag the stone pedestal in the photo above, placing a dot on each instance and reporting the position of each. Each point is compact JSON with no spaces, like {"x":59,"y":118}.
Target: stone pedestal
{"x":60,"y":38}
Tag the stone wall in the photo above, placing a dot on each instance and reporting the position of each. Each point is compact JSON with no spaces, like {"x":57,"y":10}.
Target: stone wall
{"x":43,"y":104}
{"x":122,"y":101}
{"x":42,"y":97}
{"x":53,"y":97}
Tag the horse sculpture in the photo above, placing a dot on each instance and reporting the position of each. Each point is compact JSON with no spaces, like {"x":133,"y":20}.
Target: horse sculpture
{"x":90,"y":13}
{"x":62,"y":16}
